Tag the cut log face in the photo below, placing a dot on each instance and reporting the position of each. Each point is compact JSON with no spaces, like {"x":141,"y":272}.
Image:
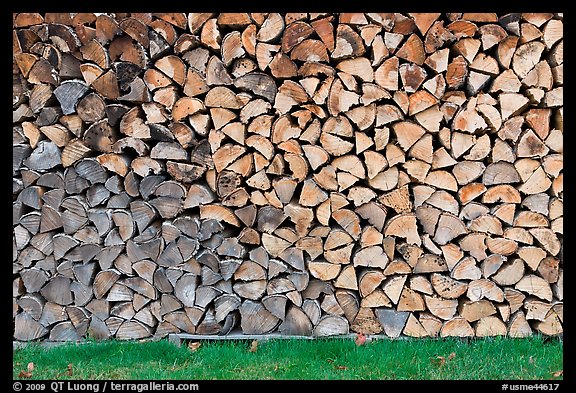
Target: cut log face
{"x":392,"y":321}
{"x":307,"y":174}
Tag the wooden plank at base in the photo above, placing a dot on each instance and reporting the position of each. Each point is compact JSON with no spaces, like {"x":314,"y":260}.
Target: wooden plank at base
{"x":237,"y":336}
{"x":177,"y":338}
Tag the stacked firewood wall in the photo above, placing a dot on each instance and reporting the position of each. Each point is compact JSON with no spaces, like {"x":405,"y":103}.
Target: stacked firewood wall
{"x":300,"y":173}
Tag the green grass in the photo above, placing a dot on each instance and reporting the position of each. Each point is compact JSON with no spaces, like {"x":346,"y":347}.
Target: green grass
{"x":491,"y":359}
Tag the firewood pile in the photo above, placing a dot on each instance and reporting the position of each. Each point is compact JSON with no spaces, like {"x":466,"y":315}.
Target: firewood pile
{"x":300,"y":173}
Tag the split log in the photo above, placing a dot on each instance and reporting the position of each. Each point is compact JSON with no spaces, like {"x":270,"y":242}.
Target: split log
{"x":456,"y":327}
{"x":403,"y":225}
{"x":441,"y":308}
{"x":393,"y":322}
{"x":331,"y":325}
{"x":28,"y":329}
{"x":255,"y":319}
{"x":132,"y":330}
{"x":296,"y":323}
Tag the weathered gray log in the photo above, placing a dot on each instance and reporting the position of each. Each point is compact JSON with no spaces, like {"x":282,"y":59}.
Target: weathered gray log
{"x":331,"y":325}
{"x":255,"y":319}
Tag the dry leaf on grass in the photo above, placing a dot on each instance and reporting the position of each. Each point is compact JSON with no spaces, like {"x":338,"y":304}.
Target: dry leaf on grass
{"x":337,"y":367}
{"x":441,"y":360}
{"x":24,"y":374}
{"x":558,"y":373}
{"x":27,"y":374}
{"x":193,"y":346}
{"x":360,"y":339}
{"x":438,"y":360}
{"x":253,"y":346}
{"x":68,"y":371}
